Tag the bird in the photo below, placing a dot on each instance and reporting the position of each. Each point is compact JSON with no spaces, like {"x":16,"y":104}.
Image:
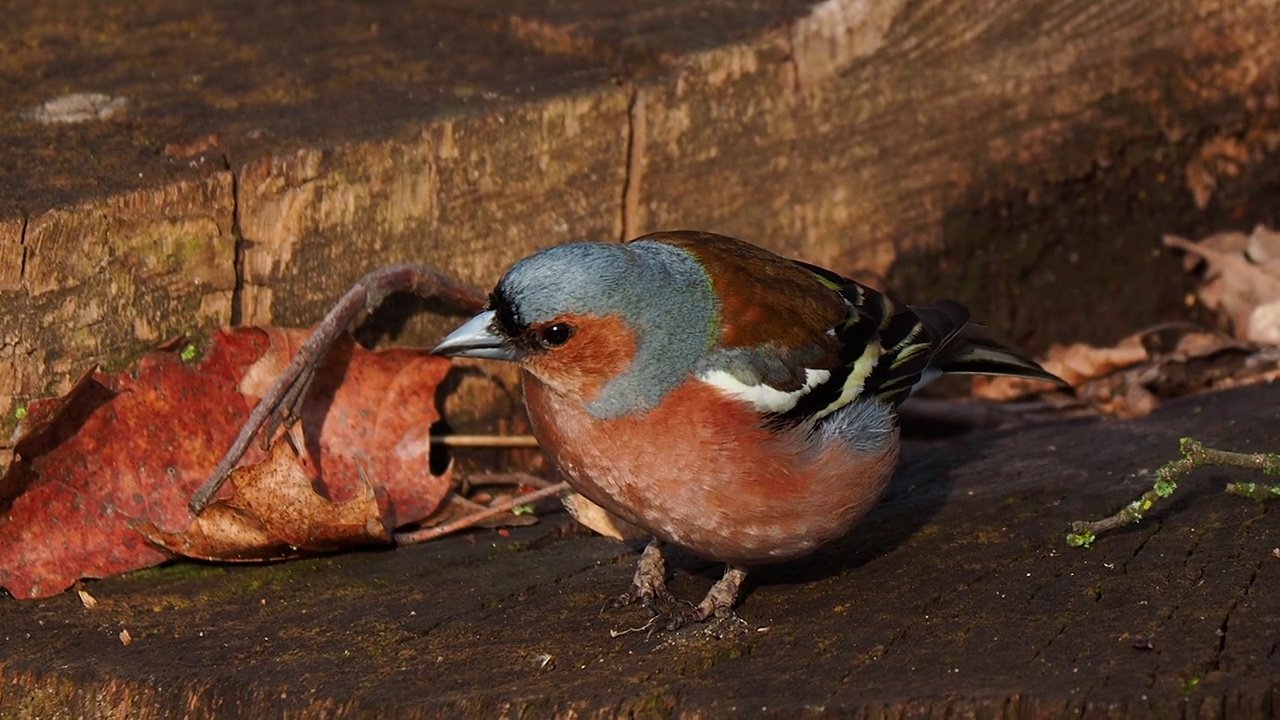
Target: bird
{"x":722,"y":398}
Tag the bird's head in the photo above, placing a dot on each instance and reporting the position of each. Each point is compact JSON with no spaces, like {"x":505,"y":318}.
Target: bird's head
{"x":613,"y":326}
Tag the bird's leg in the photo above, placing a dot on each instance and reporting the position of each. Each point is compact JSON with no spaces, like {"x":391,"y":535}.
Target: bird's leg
{"x":649,"y":583}
{"x":719,"y":600}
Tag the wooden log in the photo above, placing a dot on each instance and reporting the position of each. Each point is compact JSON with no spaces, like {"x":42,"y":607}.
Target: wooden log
{"x":957,"y":596}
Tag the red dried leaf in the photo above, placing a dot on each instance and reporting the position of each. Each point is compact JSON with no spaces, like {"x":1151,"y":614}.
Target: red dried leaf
{"x":130,"y":448}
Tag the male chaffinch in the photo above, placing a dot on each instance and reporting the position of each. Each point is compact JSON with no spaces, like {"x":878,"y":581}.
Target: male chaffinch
{"x":723,"y":398}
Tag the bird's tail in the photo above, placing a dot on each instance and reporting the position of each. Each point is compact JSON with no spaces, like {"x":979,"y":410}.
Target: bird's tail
{"x":959,"y":353}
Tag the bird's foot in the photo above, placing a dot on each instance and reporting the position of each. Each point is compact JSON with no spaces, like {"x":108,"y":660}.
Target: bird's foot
{"x":648,"y":585}
{"x":718,"y":602}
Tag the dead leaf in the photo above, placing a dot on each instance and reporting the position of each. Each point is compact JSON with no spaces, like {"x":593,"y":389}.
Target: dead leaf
{"x":1079,"y":362}
{"x":1146,"y":368}
{"x":1242,"y":280}
{"x":368,"y":414}
{"x":273,"y":513}
{"x":1074,"y":363}
{"x":124,"y":449}
{"x":1221,"y":156}
{"x":1263,"y":246}
{"x":598,"y":519}
{"x":1264,"y":324}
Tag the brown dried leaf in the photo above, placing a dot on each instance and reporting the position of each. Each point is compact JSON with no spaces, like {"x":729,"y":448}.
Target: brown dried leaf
{"x":1075,"y":363}
{"x":1181,"y":361}
{"x":1242,"y":280}
{"x":273,"y":513}
{"x":1263,"y":247}
{"x":1079,"y":362}
{"x":598,"y":519}
{"x":1264,"y":324}
{"x":1221,"y":156}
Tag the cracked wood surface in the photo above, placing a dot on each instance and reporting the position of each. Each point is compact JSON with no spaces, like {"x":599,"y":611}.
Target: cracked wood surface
{"x":267,"y":155}
{"x":957,"y":597}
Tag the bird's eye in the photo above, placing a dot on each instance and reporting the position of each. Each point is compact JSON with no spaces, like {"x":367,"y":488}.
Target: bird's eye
{"x":557,"y":334}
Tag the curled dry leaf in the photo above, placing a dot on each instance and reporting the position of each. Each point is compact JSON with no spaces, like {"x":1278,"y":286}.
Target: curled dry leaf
{"x":1164,"y":362}
{"x":1075,"y":363}
{"x":274,"y":513}
{"x":1241,"y":280}
{"x":130,"y":448}
{"x":1221,"y":156}
{"x":598,"y":519}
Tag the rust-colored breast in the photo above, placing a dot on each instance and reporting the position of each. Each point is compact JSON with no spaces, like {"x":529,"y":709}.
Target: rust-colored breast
{"x":701,"y":471}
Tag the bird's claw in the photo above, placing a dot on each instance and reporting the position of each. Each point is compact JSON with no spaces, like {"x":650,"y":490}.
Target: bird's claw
{"x":681,"y":617}
{"x":724,"y":620}
{"x":647,"y":596}
{"x":714,"y":605}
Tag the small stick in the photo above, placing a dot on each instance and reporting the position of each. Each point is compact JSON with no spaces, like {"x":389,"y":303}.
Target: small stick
{"x":518,"y":479}
{"x":281,"y":401}
{"x":497,"y":508}
{"x":1261,"y":492}
{"x":1194,"y":455}
{"x":512,"y":478}
{"x":485,"y":441}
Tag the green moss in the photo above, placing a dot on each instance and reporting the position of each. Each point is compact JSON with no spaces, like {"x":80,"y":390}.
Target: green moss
{"x":175,"y":571}
{"x":180,"y":249}
{"x":1082,"y":539}
{"x":249,"y":580}
{"x":508,"y":547}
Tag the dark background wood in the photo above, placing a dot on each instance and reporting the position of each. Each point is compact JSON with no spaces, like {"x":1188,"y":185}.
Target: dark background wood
{"x":1015,"y":155}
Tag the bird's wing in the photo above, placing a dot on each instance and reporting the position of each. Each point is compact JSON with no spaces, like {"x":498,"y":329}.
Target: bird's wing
{"x":799,"y":341}
{"x":916,"y":345}
{"x":785,"y":332}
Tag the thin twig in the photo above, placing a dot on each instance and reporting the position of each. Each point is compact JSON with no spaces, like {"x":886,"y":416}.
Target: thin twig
{"x":511,"y":478}
{"x":647,"y":626}
{"x":280,"y":402}
{"x":518,"y":479}
{"x":497,"y":508}
{"x":1194,"y":455}
{"x":1255,"y":491}
{"x":485,"y":441}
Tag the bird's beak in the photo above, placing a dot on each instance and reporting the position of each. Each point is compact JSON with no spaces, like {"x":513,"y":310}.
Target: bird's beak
{"x":476,"y":339}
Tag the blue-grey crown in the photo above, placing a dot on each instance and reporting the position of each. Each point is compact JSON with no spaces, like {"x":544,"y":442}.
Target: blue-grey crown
{"x":660,"y":291}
